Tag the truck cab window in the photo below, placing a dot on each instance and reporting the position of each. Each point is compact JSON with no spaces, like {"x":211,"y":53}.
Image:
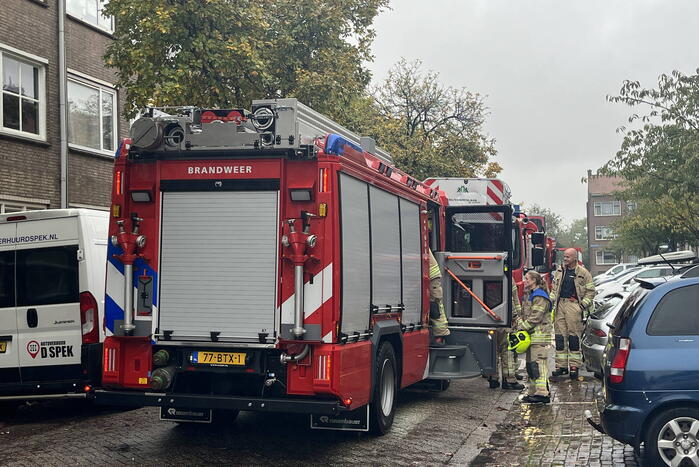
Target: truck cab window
{"x":477,"y":232}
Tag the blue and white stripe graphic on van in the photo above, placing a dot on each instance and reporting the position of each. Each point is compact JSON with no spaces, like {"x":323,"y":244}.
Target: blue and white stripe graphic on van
{"x":114,"y":296}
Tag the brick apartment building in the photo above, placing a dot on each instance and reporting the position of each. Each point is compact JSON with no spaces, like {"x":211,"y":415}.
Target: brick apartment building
{"x":30,"y":124}
{"x":603,"y":209}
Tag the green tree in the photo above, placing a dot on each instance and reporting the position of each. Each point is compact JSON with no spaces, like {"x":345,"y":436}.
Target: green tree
{"x":652,"y":224}
{"x":430,"y":130}
{"x":554,"y":222}
{"x":575,"y":236}
{"x":660,"y":163}
{"x":226,"y":53}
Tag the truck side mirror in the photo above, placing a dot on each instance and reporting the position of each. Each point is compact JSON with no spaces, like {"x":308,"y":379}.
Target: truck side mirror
{"x":537,"y":256}
{"x":538,"y":238}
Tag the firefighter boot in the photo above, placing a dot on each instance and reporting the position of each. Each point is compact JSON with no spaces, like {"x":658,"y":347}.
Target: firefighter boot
{"x":493,"y":383}
{"x":516,"y":386}
{"x":536,"y":399}
{"x":559,"y":372}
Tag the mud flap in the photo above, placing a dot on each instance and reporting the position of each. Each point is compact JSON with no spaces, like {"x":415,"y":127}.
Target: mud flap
{"x":355,"y":420}
{"x":172,"y":414}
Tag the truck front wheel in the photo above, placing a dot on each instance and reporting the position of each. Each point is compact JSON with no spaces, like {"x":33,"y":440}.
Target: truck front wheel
{"x":383,"y":404}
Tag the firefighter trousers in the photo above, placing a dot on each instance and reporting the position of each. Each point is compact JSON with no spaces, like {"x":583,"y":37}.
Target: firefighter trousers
{"x":440,"y":326}
{"x":537,"y":356}
{"x":504,"y":358}
{"x":568,"y":329}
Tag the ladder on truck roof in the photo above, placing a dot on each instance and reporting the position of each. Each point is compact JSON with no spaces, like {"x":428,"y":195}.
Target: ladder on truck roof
{"x":273,"y":125}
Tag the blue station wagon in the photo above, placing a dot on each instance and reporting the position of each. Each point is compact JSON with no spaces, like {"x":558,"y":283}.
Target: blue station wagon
{"x":650,"y":394}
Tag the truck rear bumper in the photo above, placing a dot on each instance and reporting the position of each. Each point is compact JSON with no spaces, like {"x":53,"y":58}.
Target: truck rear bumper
{"x":194,"y":401}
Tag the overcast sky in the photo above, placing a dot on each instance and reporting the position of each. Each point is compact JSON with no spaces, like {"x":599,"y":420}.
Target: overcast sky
{"x":545,"y":67}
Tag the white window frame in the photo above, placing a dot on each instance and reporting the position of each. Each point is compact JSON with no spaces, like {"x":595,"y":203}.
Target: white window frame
{"x":101,"y":86}
{"x":599,"y":258}
{"x":616,"y":206}
{"x":85,"y":20}
{"x":41,"y":64}
{"x":600,"y":233}
{"x":17,"y":204}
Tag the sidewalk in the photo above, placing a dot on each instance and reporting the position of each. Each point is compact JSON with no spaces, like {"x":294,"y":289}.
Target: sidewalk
{"x":556,"y":434}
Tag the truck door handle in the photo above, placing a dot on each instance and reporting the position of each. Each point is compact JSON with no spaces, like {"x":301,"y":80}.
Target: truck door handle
{"x":32,"y":318}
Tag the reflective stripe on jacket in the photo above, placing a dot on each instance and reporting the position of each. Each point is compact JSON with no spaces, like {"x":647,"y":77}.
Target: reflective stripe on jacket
{"x":536,"y":317}
{"x":584,"y":287}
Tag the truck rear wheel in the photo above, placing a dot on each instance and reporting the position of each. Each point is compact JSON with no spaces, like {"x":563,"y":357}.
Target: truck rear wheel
{"x":383,"y":403}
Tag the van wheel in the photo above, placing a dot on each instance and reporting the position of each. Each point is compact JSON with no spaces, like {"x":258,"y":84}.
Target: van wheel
{"x":671,"y":434}
{"x":383,"y":403}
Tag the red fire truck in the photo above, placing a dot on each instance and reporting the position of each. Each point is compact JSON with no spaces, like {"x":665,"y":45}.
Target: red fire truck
{"x":272,"y":260}
{"x":480,"y":218}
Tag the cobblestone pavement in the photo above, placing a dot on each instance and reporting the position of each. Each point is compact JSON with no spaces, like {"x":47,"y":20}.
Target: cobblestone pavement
{"x":556,"y":434}
{"x":430,"y":429}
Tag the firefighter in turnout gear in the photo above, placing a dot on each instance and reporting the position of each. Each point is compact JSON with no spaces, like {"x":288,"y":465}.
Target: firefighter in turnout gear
{"x":536,"y":320}
{"x":438,"y":319}
{"x":572,"y":295}
{"x":505,"y":360}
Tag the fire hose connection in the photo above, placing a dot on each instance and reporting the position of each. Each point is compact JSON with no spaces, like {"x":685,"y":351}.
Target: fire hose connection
{"x":162,"y":378}
{"x":286,"y":358}
{"x":161,"y":357}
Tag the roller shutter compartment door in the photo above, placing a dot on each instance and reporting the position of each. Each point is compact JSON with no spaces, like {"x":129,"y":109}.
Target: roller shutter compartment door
{"x":218,"y":266}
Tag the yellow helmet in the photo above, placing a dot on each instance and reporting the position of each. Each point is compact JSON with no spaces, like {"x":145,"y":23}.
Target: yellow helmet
{"x":519,"y":341}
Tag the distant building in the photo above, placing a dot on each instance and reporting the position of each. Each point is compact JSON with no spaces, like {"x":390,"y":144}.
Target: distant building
{"x":31,"y":158}
{"x":603,"y":209}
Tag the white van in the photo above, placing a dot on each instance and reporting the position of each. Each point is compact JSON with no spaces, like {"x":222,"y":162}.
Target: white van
{"x":51,"y":302}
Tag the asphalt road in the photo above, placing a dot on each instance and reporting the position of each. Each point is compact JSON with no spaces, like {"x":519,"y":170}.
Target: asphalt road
{"x":430,"y":428}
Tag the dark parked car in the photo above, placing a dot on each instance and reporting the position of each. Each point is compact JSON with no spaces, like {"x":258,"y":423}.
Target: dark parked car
{"x":595,"y":335}
{"x":651,"y":373}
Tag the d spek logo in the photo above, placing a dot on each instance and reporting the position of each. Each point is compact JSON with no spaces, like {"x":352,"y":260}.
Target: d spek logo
{"x":33,"y":348}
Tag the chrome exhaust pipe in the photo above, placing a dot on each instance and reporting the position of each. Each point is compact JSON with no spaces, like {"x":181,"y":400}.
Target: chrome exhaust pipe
{"x":286,"y":358}
{"x":129,"y":325}
{"x":298,"y":331}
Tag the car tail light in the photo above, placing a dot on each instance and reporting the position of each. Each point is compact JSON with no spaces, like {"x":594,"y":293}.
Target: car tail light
{"x":88,"y":318}
{"x":599,"y":333}
{"x":621,"y":357}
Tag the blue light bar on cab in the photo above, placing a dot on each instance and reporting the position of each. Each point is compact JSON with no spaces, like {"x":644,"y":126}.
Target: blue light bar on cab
{"x":336,"y":145}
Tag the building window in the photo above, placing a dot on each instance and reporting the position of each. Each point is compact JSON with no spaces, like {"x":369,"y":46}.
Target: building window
{"x":631,"y":206}
{"x":604,"y":233}
{"x":8,"y":206}
{"x":91,"y":116}
{"x":632,"y":259}
{"x":90,"y":11}
{"x":608,"y":208}
{"x":605,"y":257}
{"x":22,"y":111}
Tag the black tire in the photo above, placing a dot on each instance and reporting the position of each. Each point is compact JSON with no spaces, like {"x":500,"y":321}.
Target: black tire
{"x":662,"y":428}
{"x":383,"y":402}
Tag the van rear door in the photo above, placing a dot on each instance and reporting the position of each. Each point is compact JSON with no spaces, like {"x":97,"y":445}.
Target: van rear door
{"x":9,"y":350}
{"x":48,"y":308}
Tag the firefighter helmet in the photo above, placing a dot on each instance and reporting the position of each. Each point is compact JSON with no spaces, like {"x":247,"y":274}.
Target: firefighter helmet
{"x":519,"y":341}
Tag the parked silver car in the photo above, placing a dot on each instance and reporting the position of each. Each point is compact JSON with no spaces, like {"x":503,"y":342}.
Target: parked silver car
{"x":596,"y":332}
